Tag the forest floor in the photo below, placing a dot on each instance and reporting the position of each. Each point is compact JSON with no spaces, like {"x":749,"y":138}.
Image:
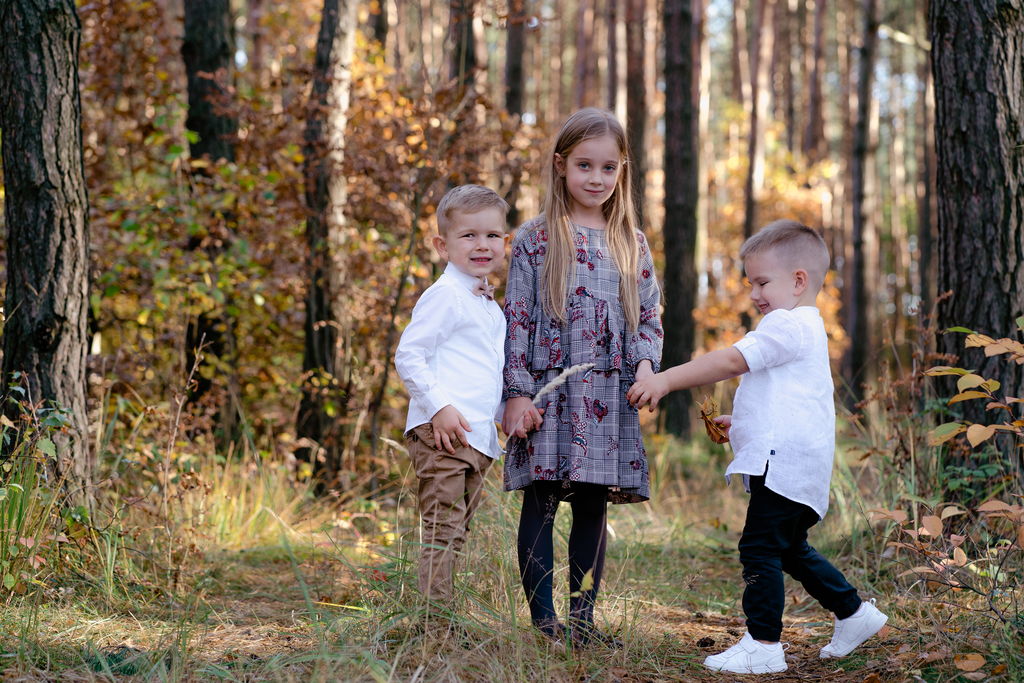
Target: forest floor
{"x":338,"y":603}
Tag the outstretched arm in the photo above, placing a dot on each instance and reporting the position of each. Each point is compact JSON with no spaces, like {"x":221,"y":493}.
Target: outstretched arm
{"x":707,"y":369}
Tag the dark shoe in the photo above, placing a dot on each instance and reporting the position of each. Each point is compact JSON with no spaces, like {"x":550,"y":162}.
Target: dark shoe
{"x":554,"y":631}
{"x":586,"y":635}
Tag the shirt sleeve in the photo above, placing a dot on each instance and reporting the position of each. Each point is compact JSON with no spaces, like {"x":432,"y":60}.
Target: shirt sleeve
{"x":778,"y":339}
{"x":434,"y":317}
{"x":646,"y":342}
{"x":520,"y":299}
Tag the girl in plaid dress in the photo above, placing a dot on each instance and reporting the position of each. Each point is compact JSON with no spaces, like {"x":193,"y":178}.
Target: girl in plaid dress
{"x":581,"y":289}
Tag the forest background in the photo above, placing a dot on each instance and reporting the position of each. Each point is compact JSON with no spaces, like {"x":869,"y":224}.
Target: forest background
{"x":217,"y":220}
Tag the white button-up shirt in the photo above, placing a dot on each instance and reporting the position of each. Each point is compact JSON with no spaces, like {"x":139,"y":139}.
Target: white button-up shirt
{"x":783,"y":412}
{"x":452,"y":353}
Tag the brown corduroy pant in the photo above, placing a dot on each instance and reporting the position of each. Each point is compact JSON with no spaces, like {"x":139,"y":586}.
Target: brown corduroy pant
{"x":449,"y":493}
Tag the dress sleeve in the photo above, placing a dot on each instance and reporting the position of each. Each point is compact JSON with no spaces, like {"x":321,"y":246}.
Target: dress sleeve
{"x":520,"y":299}
{"x":646,"y":342}
{"x":433,"y":318}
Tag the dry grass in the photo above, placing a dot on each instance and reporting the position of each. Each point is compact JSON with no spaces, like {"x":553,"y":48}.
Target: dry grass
{"x":329,"y":597}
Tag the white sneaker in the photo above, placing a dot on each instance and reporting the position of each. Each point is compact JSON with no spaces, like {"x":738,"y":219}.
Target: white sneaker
{"x":854,"y":630}
{"x":750,"y":657}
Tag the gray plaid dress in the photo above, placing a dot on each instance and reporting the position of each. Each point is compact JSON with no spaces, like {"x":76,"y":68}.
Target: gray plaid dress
{"x":590,"y":433}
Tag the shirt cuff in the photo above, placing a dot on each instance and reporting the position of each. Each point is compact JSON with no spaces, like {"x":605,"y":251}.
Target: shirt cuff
{"x":436,"y":400}
{"x":748,"y":348}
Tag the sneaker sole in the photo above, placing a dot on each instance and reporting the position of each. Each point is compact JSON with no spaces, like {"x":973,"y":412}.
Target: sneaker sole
{"x":752,"y":670}
{"x":837,"y":655}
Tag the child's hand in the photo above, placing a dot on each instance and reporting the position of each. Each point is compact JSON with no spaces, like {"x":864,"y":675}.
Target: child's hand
{"x":725,"y":422}
{"x":521,"y":417}
{"x":648,"y":391}
{"x":449,"y":429}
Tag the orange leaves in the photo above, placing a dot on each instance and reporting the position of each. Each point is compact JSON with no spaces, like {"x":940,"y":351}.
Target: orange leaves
{"x":708,"y":412}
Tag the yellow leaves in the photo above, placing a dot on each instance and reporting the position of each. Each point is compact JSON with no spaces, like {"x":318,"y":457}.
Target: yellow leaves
{"x":966,"y":395}
{"x":977,"y":434}
{"x":940,"y":370}
{"x":969,"y":381}
{"x":708,"y":412}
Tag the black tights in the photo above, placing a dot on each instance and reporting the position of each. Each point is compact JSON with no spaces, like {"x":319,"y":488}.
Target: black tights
{"x":587,"y":541}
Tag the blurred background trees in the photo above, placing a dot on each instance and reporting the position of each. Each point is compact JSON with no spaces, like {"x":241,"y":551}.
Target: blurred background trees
{"x":261,"y":194}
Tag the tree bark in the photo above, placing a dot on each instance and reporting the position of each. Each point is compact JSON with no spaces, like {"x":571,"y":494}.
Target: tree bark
{"x":463,"y":63}
{"x":514,"y":84}
{"x":47,"y":216}
{"x":926,"y":171}
{"x":584,"y":90}
{"x":978,"y":59}
{"x":814,"y":131}
{"x":324,"y":399}
{"x":379,"y":23}
{"x":759,"y":66}
{"x":636,"y":100}
{"x":680,"y":227}
{"x":612,"y":20}
{"x":856,"y":303}
{"x":207,"y":53}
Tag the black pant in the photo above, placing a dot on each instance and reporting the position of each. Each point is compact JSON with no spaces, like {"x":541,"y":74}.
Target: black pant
{"x":587,"y":542}
{"x":774,"y":540}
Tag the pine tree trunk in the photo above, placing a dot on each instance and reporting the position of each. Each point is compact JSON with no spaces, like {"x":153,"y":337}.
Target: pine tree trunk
{"x":814,"y":131}
{"x":207,"y":52}
{"x":463,"y":64}
{"x":514,"y":83}
{"x":978,"y":59}
{"x":324,"y":400}
{"x":680,"y":227}
{"x":47,"y":216}
{"x":856,"y":313}
{"x":612,"y":21}
{"x":636,"y":100}
{"x":926,"y":172}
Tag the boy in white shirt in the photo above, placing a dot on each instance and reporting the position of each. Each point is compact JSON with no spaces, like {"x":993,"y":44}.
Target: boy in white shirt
{"x":451,"y":358}
{"x":782,"y":432}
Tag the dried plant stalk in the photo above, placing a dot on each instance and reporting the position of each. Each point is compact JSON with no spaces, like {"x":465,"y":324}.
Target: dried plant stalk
{"x":560,"y":380}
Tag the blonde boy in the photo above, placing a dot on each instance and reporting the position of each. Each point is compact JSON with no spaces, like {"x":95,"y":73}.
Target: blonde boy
{"x":782,"y":433}
{"x":451,"y":357}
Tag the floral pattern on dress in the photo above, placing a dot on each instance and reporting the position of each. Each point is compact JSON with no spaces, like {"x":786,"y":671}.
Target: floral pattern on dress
{"x":590,"y":432}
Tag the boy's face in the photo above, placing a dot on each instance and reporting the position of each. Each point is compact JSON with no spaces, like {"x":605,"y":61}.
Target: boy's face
{"x":474,"y":242}
{"x":774,"y":283}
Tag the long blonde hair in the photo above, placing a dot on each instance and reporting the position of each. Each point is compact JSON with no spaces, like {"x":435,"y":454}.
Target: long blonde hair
{"x":560,"y":259}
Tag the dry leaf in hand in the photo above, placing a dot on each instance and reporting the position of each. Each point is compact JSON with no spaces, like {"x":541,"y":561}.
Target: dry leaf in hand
{"x":708,"y":413}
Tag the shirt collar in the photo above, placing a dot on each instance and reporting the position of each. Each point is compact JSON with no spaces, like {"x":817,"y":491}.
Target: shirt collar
{"x":468,"y":281}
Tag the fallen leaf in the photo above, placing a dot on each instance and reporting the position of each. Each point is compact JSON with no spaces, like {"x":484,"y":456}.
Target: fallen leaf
{"x":971,"y":662}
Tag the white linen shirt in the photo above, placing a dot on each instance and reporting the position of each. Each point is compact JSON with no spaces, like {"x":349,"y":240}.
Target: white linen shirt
{"x":452,"y":353}
{"x":784,"y":413}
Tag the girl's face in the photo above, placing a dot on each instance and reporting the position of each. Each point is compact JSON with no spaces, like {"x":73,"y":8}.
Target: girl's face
{"x":591,"y":171}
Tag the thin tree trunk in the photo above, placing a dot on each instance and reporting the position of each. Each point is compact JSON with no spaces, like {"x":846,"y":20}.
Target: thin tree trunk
{"x":324,"y":403}
{"x":741,"y":53}
{"x":514,"y":83}
{"x":680,"y":227}
{"x":636,"y":100}
{"x":612,"y":17}
{"x":926,"y":171}
{"x":856,"y":314}
{"x":463,"y":63}
{"x":207,"y":53}
{"x":759,"y":66}
{"x":46,"y":212}
{"x":978,"y":59}
{"x":379,"y":23}
{"x":814,"y":132}
{"x":584,"y":91}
